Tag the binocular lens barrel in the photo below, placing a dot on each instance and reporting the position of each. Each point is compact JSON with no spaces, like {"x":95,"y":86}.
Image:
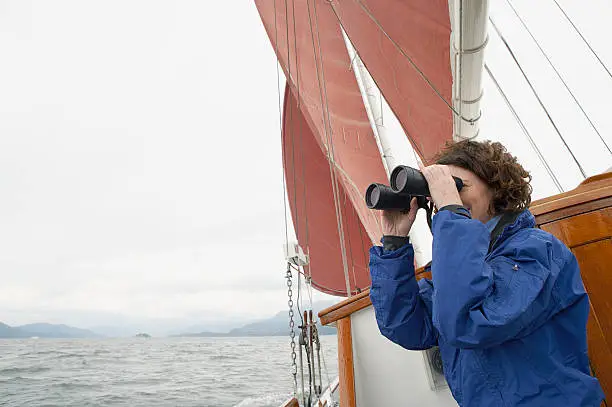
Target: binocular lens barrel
{"x":379,"y":196}
{"x":406,"y":183}
{"x":404,"y":178}
{"x":411,"y":181}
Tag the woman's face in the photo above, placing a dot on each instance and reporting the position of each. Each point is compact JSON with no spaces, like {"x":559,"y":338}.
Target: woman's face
{"x":475,"y":194}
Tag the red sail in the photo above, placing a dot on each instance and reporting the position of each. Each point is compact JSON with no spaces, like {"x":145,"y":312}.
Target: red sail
{"x":327,"y":108}
{"x":421,"y":30}
{"x":311,"y":198}
{"x":318,"y":69}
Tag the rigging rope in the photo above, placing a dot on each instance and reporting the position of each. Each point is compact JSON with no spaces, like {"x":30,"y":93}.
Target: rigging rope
{"x":325,"y":370}
{"x":584,"y":39}
{"x":537,"y":97}
{"x":382,"y":150}
{"x":352,"y":257}
{"x":301,"y":342}
{"x":317,"y":341}
{"x":299,"y":296}
{"x":329,"y":139}
{"x":313,"y":373}
{"x":414,"y":65}
{"x":364,"y":250}
{"x":558,"y":75}
{"x":307,"y":342}
{"x":280,"y":119}
{"x":321,"y":355}
{"x":300,"y":306}
{"x":301,"y":147}
{"x":524,"y":129}
{"x":305,"y":324}
{"x":414,"y":144}
{"x":307,"y":277}
{"x":289,"y":276}
{"x":290,"y":105}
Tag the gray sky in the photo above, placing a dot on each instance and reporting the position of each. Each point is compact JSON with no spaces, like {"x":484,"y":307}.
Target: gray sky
{"x":140,"y":162}
{"x":140,"y":165}
{"x":587,"y":79}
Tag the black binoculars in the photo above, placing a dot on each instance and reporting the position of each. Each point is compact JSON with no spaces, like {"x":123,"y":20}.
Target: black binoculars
{"x":406,"y":183}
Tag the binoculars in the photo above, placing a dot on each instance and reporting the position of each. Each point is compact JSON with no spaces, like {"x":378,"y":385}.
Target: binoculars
{"x":406,"y":183}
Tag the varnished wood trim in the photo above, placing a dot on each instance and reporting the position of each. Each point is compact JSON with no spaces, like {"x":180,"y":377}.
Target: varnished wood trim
{"x":355,"y":303}
{"x":291,"y":403}
{"x":598,"y":177}
{"x":589,"y":184}
{"x":345,"y":308}
{"x":583,"y":229}
{"x":564,"y":201}
{"x":345,"y":363}
{"x":343,"y":303}
{"x":599,"y":352}
{"x":573,"y":211}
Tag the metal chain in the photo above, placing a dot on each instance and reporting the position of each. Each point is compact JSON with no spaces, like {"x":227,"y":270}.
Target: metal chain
{"x":291,"y":328}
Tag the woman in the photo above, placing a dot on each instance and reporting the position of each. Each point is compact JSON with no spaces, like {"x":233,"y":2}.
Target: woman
{"x":506,"y":303}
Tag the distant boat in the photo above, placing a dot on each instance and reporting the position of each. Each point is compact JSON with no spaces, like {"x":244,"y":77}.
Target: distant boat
{"x":143,"y":335}
{"x":34,"y":337}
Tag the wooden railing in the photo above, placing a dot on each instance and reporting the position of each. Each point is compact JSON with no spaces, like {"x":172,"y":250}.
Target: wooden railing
{"x":292,"y":402}
{"x":345,"y":308}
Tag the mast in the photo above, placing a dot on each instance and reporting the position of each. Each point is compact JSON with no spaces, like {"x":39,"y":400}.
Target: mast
{"x":374,"y":102}
{"x":469,"y":39}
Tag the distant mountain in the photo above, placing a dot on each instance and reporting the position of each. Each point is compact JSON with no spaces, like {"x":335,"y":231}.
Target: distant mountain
{"x":10,"y":332}
{"x":114,"y":325}
{"x":216,"y":326}
{"x":278,"y":325}
{"x":44,"y":330}
{"x":204,"y":334}
{"x":158,"y":327}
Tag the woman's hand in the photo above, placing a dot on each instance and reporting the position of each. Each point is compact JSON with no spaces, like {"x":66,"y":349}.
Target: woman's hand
{"x":441,"y":185}
{"x":398,"y":223}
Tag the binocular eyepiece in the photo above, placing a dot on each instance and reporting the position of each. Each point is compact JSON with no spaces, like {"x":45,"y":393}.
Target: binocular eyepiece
{"x":406,"y":183}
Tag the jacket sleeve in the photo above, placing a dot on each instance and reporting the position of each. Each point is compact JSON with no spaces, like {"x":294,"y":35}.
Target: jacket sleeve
{"x":402,"y":306}
{"x":478,"y":303}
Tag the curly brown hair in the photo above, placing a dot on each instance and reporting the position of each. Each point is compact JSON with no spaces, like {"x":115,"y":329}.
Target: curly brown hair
{"x":500,"y":170}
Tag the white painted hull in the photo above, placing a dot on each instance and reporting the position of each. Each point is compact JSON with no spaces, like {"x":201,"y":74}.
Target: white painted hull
{"x":387,"y":374}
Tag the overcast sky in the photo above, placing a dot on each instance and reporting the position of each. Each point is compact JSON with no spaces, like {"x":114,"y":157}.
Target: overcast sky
{"x":140,"y":166}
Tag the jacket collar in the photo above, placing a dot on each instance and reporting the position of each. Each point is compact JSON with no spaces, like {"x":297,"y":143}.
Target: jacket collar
{"x":511,"y":223}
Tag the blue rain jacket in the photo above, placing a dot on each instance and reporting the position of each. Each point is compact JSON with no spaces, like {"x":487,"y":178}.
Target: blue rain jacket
{"x":510,"y":323}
